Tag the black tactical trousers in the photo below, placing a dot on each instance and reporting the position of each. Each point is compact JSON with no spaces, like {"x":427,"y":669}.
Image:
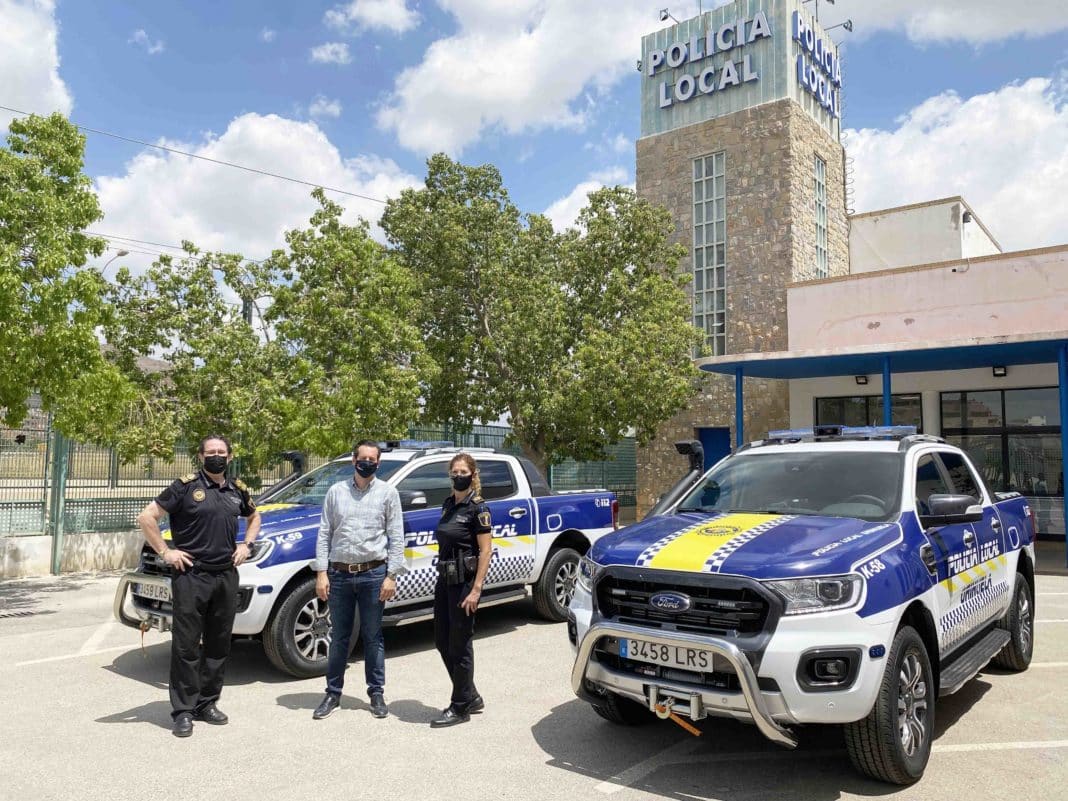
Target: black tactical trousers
{"x":204,"y":608}
{"x":454,"y":632}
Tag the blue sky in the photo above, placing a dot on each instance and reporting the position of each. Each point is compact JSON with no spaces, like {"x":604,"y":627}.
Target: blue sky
{"x":544,"y":89}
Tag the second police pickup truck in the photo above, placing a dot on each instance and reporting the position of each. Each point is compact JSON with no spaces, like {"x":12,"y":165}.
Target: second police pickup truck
{"x":836,"y":576}
{"x":538,"y":538}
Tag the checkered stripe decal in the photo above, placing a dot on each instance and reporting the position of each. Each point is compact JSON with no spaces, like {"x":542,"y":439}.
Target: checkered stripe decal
{"x":416,"y":584}
{"x":502,"y":570}
{"x":720,"y":555}
{"x":961,"y":621}
{"x":646,"y":556}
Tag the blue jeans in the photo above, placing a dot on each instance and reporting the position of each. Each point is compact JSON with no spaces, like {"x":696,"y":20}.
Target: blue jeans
{"x":349,"y":592}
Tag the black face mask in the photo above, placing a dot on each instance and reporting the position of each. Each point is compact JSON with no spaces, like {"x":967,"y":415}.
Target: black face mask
{"x":215,"y":464}
{"x":461,"y":482}
{"x":366,"y":468}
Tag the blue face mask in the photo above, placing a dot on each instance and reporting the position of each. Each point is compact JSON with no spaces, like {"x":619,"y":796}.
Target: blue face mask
{"x":366,"y":468}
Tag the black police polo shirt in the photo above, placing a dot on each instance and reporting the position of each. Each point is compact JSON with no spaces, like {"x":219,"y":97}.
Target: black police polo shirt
{"x":461,"y":523}
{"x":203,"y":517}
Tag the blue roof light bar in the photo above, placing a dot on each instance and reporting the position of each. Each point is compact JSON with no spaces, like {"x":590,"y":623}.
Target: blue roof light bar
{"x":843,"y":432}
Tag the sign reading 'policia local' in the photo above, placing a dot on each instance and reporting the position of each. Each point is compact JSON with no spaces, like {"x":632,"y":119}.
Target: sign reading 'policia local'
{"x":819,"y":70}
{"x":708,"y":75}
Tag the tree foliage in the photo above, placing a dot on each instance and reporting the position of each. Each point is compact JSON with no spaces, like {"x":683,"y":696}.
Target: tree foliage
{"x":579,"y":337}
{"x":50,"y":302}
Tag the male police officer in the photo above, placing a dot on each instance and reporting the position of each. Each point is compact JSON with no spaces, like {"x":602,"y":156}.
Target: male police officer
{"x":358,"y":555}
{"x":203,"y":508}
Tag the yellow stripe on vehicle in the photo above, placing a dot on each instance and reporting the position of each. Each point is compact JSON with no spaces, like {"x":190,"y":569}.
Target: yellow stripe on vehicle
{"x":271,"y":507}
{"x":692,"y":550}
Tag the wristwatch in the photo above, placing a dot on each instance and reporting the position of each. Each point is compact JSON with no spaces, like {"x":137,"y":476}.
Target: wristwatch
{"x":248,"y":543}
{"x":391,"y":576}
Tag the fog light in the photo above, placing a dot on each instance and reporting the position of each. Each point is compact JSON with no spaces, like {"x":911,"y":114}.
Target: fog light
{"x":830,"y":670}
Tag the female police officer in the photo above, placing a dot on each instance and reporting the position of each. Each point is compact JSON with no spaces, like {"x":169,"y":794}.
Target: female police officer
{"x":465,"y":546}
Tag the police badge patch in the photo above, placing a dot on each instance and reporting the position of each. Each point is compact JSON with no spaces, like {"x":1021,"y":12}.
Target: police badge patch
{"x":198,"y":495}
{"x":485,"y":520}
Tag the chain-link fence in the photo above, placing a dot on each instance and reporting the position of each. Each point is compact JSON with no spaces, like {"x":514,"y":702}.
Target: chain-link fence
{"x":49,"y":483}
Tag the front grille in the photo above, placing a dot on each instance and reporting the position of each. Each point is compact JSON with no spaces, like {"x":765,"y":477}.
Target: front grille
{"x":717,"y":607}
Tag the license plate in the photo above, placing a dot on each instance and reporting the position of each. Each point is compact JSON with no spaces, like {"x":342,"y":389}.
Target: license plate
{"x":675,"y":656}
{"x":156,"y":592}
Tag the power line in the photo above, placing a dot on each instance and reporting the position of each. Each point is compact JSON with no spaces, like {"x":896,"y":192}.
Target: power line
{"x":210,"y":160}
{"x":124,"y":239}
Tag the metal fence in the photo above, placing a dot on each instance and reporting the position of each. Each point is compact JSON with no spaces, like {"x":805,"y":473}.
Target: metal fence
{"x":50,"y":484}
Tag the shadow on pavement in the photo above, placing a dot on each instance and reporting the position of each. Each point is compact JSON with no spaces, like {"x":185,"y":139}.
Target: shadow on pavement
{"x":34,"y":595}
{"x":731,"y":760}
{"x":157,"y":713}
{"x":247,"y":664}
{"x":403,"y":709}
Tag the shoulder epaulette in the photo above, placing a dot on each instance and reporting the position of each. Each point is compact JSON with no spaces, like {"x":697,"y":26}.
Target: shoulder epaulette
{"x":188,"y":477}
{"x":241,"y":485}
{"x":477,"y":499}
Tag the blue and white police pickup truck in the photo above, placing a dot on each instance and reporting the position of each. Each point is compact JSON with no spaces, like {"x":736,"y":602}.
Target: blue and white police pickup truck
{"x":538,"y":538}
{"x":828,"y":576}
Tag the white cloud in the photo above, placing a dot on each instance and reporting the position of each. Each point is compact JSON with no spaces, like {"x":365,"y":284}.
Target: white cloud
{"x":267,"y":35}
{"x":29,"y":60}
{"x":392,"y":15}
{"x":324,"y":107}
{"x":141,"y":39}
{"x":164,"y":197}
{"x":1006,"y":152}
{"x":973,"y":21}
{"x":516,"y":65}
{"x":565,"y":211}
{"x":331,"y":53}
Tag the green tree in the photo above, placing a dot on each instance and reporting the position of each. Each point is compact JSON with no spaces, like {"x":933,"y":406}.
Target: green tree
{"x":343,"y":311}
{"x":50,"y":301}
{"x":579,"y":337}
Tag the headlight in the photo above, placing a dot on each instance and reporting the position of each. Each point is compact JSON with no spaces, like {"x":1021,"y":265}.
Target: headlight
{"x":259,"y":551}
{"x":588,"y":572}
{"x":819,"y":594}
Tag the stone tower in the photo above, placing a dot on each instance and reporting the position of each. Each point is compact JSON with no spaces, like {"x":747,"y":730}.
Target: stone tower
{"x":740,"y":123}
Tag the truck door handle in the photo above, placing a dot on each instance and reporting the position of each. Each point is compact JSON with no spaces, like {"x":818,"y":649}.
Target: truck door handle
{"x":995,"y":524}
{"x":517,"y":512}
{"x":969,"y":538}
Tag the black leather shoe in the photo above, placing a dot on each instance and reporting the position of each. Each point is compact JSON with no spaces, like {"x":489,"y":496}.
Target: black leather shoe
{"x":378,"y":706}
{"x":183,"y":724}
{"x":328,"y":705}
{"x":476,"y":705}
{"x":211,"y":714}
{"x":450,"y":717}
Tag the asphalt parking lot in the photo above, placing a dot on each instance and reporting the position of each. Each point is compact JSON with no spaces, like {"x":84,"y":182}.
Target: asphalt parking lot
{"x":84,"y":714}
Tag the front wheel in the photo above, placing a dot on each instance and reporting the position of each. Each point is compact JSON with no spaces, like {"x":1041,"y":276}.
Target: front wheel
{"x":1019,"y":621}
{"x":297,"y":637}
{"x":556,"y":586}
{"x":893,"y":743}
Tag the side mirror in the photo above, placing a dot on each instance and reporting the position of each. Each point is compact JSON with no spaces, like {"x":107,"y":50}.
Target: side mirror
{"x":412,"y":499}
{"x":947,"y":510}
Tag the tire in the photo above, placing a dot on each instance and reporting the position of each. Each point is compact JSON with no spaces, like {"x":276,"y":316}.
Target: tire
{"x":893,"y":743}
{"x":623,"y":711}
{"x":556,"y":585}
{"x":1019,"y":621}
{"x":297,"y":637}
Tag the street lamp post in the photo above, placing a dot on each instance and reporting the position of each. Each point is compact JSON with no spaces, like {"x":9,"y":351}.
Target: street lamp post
{"x":104,"y":269}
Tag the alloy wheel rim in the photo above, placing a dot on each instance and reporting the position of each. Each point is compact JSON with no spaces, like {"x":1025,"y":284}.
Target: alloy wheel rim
{"x":311,"y":630}
{"x":566,"y":577}
{"x":1023,"y":616}
{"x":912,"y":705}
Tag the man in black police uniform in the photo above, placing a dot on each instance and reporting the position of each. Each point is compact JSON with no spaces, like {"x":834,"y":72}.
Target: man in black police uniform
{"x":203,"y":509}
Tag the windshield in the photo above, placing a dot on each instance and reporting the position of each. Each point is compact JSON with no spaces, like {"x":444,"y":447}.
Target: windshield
{"x":857,"y":484}
{"x":311,"y":489}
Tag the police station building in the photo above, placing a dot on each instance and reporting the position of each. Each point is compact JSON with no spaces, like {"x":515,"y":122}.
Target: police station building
{"x":911,"y":315}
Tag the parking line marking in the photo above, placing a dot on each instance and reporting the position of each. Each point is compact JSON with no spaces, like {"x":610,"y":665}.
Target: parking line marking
{"x":1048,"y":664}
{"x":1053,"y":620}
{"x":644,"y":768}
{"x":75,"y":656}
{"x":1043,"y":594}
{"x":1017,"y":746}
{"x":97,"y":636}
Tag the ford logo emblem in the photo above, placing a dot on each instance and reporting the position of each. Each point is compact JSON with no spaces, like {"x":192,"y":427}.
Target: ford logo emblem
{"x":670,"y":601}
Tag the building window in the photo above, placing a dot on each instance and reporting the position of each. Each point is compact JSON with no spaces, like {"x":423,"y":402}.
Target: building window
{"x":867,"y":410}
{"x":710,"y":250}
{"x":819,"y":179}
{"x":1012,"y":437}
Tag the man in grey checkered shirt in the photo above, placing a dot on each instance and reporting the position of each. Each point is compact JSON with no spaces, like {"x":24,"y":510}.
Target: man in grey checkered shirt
{"x":358,"y":556}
